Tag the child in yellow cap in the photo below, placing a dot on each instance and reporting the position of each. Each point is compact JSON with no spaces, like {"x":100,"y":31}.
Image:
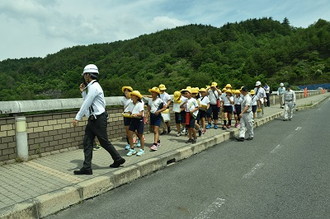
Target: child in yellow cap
{"x":125,"y":101}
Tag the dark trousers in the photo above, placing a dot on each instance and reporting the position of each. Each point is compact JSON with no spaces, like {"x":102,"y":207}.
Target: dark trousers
{"x":268,"y":100}
{"x":97,"y":128}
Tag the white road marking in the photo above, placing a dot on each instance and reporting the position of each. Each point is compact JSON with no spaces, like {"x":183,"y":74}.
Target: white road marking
{"x":211,"y":209}
{"x":276,"y":148}
{"x":253,"y":170}
{"x":298,"y":128}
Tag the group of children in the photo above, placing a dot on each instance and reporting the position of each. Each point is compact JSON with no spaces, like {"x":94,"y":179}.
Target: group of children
{"x":193,"y":108}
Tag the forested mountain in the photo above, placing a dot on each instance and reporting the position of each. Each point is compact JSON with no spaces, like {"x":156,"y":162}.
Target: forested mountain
{"x":195,"y":55}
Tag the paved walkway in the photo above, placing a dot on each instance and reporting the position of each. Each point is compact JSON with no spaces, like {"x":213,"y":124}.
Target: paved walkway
{"x":36,"y":180}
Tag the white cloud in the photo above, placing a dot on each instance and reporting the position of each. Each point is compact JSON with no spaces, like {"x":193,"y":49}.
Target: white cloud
{"x":40,"y":27}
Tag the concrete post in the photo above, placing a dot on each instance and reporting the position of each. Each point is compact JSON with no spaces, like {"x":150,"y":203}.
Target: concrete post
{"x":21,"y":138}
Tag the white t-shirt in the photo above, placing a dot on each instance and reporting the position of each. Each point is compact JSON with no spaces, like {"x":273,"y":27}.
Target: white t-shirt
{"x":126,"y":103}
{"x":191,"y":105}
{"x":260,"y":93}
{"x":177,"y":106}
{"x":154,"y":104}
{"x":203,"y":102}
{"x":253,"y":100}
{"x":238,"y":100}
{"x":136,"y":108}
{"x":165,"y":97}
{"x":226,"y":100}
{"x":213,"y":96}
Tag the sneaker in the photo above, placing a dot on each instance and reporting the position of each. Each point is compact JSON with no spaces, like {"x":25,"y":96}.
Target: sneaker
{"x":215,"y":127}
{"x":158,"y":144}
{"x":163,"y":133}
{"x":228,"y":126}
{"x":199,"y":133}
{"x":138,"y":144}
{"x":154,"y":147}
{"x":178,"y":134}
{"x":131,"y":152}
{"x":249,"y":138}
{"x":127,"y":147}
{"x":208,"y":126}
{"x":96,"y":147}
{"x":223,"y":128}
{"x":140,"y":152}
{"x":240,"y":139}
{"x":193,"y":141}
{"x":183,"y":131}
{"x":189,"y":141}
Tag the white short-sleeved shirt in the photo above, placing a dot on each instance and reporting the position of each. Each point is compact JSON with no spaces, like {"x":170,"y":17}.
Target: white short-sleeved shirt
{"x":136,"y":108}
{"x":191,"y":105}
{"x":247,"y":100}
{"x":204,"y":100}
{"x":154,"y":104}
{"x":226,"y":100}
{"x":177,"y":106}
{"x":126,"y":103}
{"x":238,"y":100}
{"x":213,"y":96}
{"x":253,"y":100}
{"x":165,"y":97}
{"x":260,"y":93}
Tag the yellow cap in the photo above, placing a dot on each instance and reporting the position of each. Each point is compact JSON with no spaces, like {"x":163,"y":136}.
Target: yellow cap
{"x":194,"y":90}
{"x":176,"y":97}
{"x":228,"y":86}
{"x":252,"y":92}
{"x":202,"y":90}
{"x":136,"y":93}
{"x":126,"y":87}
{"x":228,"y":91}
{"x":162,"y":87}
{"x":214,"y":84}
{"x":155,"y":90}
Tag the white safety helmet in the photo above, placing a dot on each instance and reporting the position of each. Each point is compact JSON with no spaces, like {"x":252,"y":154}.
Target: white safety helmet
{"x":258,"y":83}
{"x":90,"y":68}
{"x":281,"y":84}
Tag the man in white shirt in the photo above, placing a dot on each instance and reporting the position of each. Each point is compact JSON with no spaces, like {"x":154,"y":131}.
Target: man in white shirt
{"x":280,"y":92}
{"x":94,"y":108}
{"x":246,"y":116}
{"x":267,"y":90}
{"x":289,"y":100}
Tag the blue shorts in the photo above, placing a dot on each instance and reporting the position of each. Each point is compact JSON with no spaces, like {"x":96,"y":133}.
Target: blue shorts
{"x":254,"y":108}
{"x":178,"y":118}
{"x":202,"y":114}
{"x":155,"y":120}
{"x":238,"y":109}
{"x":228,"y":109}
{"x":136,"y":125}
{"x":127,"y":121}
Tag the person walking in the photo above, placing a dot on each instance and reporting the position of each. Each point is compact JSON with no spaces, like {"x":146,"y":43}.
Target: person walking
{"x":280,"y":92}
{"x":261,"y":97}
{"x":215,"y":102}
{"x":289,"y":100}
{"x":94,"y":108}
{"x":246,"y":117}
{"x":267,"y":90}
{"x":166,"y":113}
{"x":126,"y":100}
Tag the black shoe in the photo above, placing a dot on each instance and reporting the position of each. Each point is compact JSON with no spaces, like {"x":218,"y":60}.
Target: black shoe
{"x":249,"y":138}
{"x":224,"y":128}
{"x":240,"y":139}
{"x":117,"y":163}
{"x":199,"y":133}
{"x":168,"y":130}
{"x":83,"y":171}
{"x":193,"y":141}
{"x":163,"y":133}
{"x":189,"y":141}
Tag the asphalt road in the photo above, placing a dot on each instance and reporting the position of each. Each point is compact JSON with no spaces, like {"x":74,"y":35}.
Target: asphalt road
{"x":283,"y":173}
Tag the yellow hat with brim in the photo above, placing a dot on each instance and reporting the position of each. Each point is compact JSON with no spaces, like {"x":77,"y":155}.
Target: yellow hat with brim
{"x":155,"y":90}
{"x":202,"y":90}
{"x":224,"y":89}
{"x":252,"y":92}
{"x":126,"y":87}
{"x":237,"y":92}
{"x":162,"y":87}
{"x":228,"y":86}
{"x":229,"y":91}
{"x":186,"y":90}
{"x":214,"y":84}
{"x":195,"y":90}
{"x":136,"y":93}
{"x":177,"y":96}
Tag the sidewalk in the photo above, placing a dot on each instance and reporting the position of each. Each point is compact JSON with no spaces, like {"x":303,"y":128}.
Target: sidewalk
{"x":46,"y":185}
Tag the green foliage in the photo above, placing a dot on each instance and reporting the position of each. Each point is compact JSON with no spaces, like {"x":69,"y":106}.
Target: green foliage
{"x":194,"y":55}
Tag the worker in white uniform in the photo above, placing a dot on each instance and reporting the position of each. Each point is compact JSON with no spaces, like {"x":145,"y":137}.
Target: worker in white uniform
{"x":280,"y":92}
{"x":246,"y":116}
{"x":289,"y":100}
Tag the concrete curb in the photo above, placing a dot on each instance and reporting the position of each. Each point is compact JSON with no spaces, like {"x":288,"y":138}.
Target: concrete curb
{"x":53,"y":202}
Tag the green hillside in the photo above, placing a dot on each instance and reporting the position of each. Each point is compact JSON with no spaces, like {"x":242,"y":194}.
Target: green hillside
{"x":195,"y":55}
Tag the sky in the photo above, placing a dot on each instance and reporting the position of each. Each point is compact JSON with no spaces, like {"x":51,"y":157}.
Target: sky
{"x":35,"y":28}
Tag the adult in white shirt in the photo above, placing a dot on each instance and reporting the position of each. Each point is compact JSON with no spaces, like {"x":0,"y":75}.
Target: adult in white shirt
{"x":94,"y":108}
{"x":280,"y":92}
{"x":267,"y":90}
{"x":289,"y":100}
{"x":246,"y":117}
